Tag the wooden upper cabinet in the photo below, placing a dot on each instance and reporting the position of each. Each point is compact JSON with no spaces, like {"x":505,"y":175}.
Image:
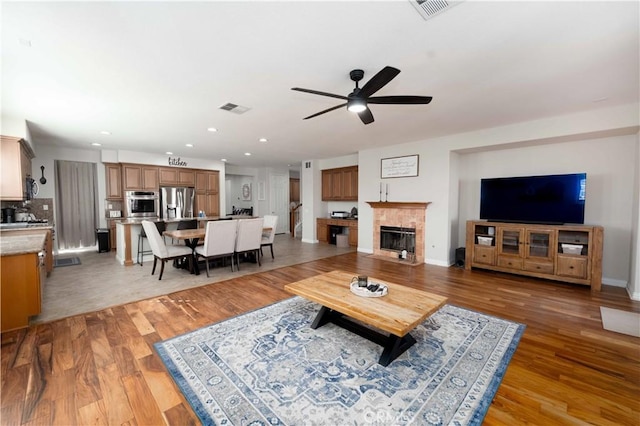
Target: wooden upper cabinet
{"x":350,"y":184}
{"x":176,"y":176}
{"x":16,"y":157}
{"x":208,"y":192}
{"x":340,"y":184}
{"x":114,"y":181}
{"x":150,"y":178}
{"x":137,"y":177}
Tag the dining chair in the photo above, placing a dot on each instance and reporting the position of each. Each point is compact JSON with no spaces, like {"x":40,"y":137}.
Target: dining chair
{"x":161,"y":250}
{"x":270,"y":221}
{"x":219,"y":241}
{"x":248,"y":238}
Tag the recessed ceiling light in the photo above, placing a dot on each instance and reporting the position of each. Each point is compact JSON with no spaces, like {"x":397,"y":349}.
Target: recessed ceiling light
{"x":212,"y":129}
{"x":247,"y":154}
{"x":96,"y":144}
{"x":190,"y":145}
{"x":223,"y":159}
{"x":263,"y":139}
{"x":169,"y":153}
{"x":105,"y":132}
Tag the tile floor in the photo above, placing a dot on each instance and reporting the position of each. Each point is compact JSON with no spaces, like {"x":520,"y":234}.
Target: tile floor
{"x":100,"y":281}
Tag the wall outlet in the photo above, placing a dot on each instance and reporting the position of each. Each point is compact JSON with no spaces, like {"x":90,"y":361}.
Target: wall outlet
{"x":45,"y":207}
{"x":109,"y":206}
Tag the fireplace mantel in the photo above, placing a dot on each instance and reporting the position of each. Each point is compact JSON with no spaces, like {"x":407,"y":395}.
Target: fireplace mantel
{"x":397,"y":205}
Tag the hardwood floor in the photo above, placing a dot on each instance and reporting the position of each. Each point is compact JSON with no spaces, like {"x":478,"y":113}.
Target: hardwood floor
{"x":101,"y":368}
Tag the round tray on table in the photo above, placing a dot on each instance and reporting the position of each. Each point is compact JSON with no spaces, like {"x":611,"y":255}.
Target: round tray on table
{"x":364,"y":292}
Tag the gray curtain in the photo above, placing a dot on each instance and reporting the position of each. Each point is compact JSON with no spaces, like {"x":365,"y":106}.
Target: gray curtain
{"x":77,"y":204}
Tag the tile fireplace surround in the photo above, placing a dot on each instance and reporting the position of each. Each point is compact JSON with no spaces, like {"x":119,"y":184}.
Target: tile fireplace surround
{"x":400,"y":214}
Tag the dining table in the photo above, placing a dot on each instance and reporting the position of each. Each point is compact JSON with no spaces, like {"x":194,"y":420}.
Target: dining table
{"x":190,"y":238}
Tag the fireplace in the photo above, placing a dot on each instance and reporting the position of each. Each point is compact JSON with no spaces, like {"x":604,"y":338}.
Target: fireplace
{"x":395,"y":238}
{"x":405,"y":225}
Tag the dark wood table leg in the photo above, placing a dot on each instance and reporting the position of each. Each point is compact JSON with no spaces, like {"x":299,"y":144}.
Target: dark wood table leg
{"x":393,"y":346}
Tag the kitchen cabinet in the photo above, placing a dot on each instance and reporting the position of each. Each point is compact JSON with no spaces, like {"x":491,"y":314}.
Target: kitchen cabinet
{"x":569,"y":253}
{"x":113,"y":173}
{"x":22,"y":273}
{"x":340,"y":184}
{"x":172,"y":176}
{"x":16,"y":155}
{"x":139,"y":178}
{"x":207,"y":191}
{"x":113,"y":241}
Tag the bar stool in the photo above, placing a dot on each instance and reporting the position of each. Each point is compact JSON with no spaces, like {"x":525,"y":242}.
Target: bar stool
{"x":162,"y":226}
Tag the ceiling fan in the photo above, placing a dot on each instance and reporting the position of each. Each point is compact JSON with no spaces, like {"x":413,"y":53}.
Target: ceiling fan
{"x":358,"y":100}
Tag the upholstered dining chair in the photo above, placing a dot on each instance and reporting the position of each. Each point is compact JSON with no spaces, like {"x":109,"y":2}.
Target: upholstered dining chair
{"x":248,"y":238}
{"x":161,"y":250}
{"x":270,"y":221}
{"x":219,"y":241}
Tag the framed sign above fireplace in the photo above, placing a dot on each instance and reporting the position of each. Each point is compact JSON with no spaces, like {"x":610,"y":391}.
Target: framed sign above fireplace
{"x":395,"y":167}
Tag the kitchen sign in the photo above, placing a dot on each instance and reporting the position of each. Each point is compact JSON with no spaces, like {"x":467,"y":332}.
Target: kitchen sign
{"x":177,"y":162}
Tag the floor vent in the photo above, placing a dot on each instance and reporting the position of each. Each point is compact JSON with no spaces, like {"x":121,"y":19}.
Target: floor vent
{"x":238,"y":109}
{"x":430,"y":8}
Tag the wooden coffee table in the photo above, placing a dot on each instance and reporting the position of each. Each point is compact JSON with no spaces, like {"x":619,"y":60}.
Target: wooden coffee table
{"x":397,"y":313}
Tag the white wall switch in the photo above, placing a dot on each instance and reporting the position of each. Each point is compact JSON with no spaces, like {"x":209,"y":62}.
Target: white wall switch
{"x":109,"y":206}
{"x":45,"y":207}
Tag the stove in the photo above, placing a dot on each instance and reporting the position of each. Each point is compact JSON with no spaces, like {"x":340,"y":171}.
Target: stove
{"x":25,"y":224}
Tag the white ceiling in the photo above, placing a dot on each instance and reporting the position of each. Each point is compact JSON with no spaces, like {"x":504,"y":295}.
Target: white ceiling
{"x":154,"y":74}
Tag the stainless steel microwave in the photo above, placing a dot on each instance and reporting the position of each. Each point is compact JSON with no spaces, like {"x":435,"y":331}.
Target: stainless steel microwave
{"x":141,"y":204}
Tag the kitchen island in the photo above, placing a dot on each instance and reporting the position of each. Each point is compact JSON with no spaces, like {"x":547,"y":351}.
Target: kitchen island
{"x":128,"y":231}
{"x":23,"y":260}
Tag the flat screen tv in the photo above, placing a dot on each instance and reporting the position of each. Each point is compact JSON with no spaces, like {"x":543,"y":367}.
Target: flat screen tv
{"x":549,"y":199}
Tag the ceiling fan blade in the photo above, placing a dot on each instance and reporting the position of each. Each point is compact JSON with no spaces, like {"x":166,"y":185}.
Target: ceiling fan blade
{"x":326,"y":110}
{"x":409,"y":100}
{"x":315,"y":92}
{"x":378,"y":81}
{"x":366,"y":116}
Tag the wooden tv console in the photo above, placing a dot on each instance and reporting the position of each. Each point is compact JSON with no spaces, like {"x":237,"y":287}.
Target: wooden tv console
{"x":569,"y":253}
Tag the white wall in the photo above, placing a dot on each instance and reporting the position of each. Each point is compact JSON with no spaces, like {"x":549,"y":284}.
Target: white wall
{"x":442,"y":160}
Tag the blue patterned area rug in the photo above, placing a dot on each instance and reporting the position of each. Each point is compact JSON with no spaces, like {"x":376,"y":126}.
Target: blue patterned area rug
{"x":267,"y":367}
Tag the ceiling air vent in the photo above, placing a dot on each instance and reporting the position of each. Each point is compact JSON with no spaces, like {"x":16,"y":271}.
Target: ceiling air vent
{"x":430,"y":8}
{"x":238,"y":109}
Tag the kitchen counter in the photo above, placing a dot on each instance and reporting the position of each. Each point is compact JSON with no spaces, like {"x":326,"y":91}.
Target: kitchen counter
{"x":138,"y":221}
{"x":22,"y":274}
{"x":21,"y":244}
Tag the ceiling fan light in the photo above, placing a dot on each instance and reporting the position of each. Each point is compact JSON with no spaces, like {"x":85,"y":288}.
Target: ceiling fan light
{"x":356,"y":105}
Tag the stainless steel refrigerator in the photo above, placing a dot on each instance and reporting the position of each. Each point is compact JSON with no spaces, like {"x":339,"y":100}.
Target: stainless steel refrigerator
{"x":176,"y":202}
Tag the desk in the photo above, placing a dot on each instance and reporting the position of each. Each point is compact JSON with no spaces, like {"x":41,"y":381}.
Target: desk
{"x":190,"y":237}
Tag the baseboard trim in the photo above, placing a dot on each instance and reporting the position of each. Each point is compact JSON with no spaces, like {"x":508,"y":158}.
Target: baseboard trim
{"x":614,"y":283}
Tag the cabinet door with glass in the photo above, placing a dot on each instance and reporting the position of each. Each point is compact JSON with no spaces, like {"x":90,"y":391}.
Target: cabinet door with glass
{"x":510,"y":241}
{"x":540,"y":244}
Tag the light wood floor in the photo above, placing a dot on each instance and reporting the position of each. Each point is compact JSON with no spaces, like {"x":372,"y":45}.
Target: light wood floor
{"x":101,"y":368}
